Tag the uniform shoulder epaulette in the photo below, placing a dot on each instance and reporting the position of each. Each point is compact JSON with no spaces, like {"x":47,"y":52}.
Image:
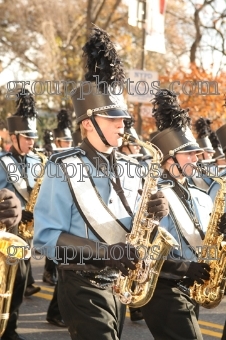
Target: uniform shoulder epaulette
{"x":192,"y":184}
{"x":56,"y":157}
{"x":127,"y":158}
{"x":31,"y":154}
{"x":222,"y":173}
{"x":5,"y":153}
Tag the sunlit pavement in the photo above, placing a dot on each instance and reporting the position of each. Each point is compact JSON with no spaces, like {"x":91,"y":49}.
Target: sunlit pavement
{"x":33,"y":326}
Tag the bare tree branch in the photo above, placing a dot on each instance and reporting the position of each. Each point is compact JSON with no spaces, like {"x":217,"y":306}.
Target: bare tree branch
{"x":98,"y":11}
{"x":111,"y":14}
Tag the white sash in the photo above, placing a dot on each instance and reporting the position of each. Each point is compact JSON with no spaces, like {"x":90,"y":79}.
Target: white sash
{"x":20,"y":185}
{"x":95,"y":211}
{"x":185,"y":223}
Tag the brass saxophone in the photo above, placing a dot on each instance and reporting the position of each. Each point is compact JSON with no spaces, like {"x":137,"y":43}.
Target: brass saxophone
{"x":26,"y":229}
{"x":210,"y":294}
{"x":12,"y":249}
{"x":147,"y":237}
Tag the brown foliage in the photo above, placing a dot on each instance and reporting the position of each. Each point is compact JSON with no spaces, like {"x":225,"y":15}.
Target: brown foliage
{"x":199,"y":91}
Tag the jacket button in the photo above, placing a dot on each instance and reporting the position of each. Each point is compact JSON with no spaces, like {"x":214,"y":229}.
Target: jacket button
{"x":110,"y":201}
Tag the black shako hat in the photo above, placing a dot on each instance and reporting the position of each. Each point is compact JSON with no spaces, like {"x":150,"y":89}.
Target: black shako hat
{"x":63,"y":132}
{"x":152,"y":135}
{"x":173,"y":124}
{"x":23,"y":122}
{"x":202,"y":126}
{"x":216,"y":145}
{"x":99,"y":93}
{"x":221,"y":134}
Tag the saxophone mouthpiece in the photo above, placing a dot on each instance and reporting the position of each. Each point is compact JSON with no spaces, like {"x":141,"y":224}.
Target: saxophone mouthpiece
{"x":128,"y":138}
{"x":30,"y":148}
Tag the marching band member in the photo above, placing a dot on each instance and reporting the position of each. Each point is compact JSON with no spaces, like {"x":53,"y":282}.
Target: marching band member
{"x":221,"y":135}
{"x":202,"y":127}
{"x":62,"y":134}
{"x":92,"y":215}
{"x":187,"y":221}
{"x":219,"y":154}
{"x":17,"y":173}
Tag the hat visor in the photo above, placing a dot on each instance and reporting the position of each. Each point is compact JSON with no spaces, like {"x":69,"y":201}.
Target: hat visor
{"x":212,"y":160}
{"x":209,"y":150}
{"x":191,"y":148}
{"x":29,"y":135}
{"x":114,"y":114}
{"x":66,"y":139}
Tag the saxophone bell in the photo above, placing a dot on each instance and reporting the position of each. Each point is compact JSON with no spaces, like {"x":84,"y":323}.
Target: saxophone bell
{"x":9,"y":262}
{"x":211,"y":292}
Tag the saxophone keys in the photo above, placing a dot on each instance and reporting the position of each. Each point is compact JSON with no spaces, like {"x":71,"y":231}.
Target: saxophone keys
{"x":126,"y":298}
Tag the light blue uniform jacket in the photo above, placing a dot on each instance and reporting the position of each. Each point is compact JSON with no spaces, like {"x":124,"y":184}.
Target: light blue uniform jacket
{"x":56,"y":212}
{"x":7,"y":177}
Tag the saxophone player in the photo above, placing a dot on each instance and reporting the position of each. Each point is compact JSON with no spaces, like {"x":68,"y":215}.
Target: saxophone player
{"x":188,"y":218}
{"x":16,"y":175}
{"x":92,"y":214}
{"x":221,"y":134}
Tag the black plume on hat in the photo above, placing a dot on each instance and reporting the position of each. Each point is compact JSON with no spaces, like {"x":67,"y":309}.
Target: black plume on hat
{"x":63,"y":130}
{"x":214,"y":139}
{"x":104,"y":74}
{"x":167,"y":111}
{"x":63,"y":120}
{"x":25,"y":104}
{"x":24,"y":120}
{"x":202,"y":126}
{"x":102,"y":58}
{"x":173,"y":124}
{"x":48,"y":137}
{"x":216,"y":144}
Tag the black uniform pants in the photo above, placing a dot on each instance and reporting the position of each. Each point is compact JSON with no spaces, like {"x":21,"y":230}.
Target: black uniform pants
{"x":30,"y":278}
{"x":171,"y":314}
{"x":50,"y":266}
{"x":224,"y":332}
{"x":53,"y":310}
{"x":90,"y":312}
{"x":17,"y":298}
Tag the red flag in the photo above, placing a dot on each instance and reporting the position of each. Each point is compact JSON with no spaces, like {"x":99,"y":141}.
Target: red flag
{"x":162,"y":6}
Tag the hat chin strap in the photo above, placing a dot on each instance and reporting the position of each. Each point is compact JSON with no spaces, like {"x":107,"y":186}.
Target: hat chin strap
{"x":176,"y":162}
{"x":18,"y":141}
{"x":100,"y":133}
